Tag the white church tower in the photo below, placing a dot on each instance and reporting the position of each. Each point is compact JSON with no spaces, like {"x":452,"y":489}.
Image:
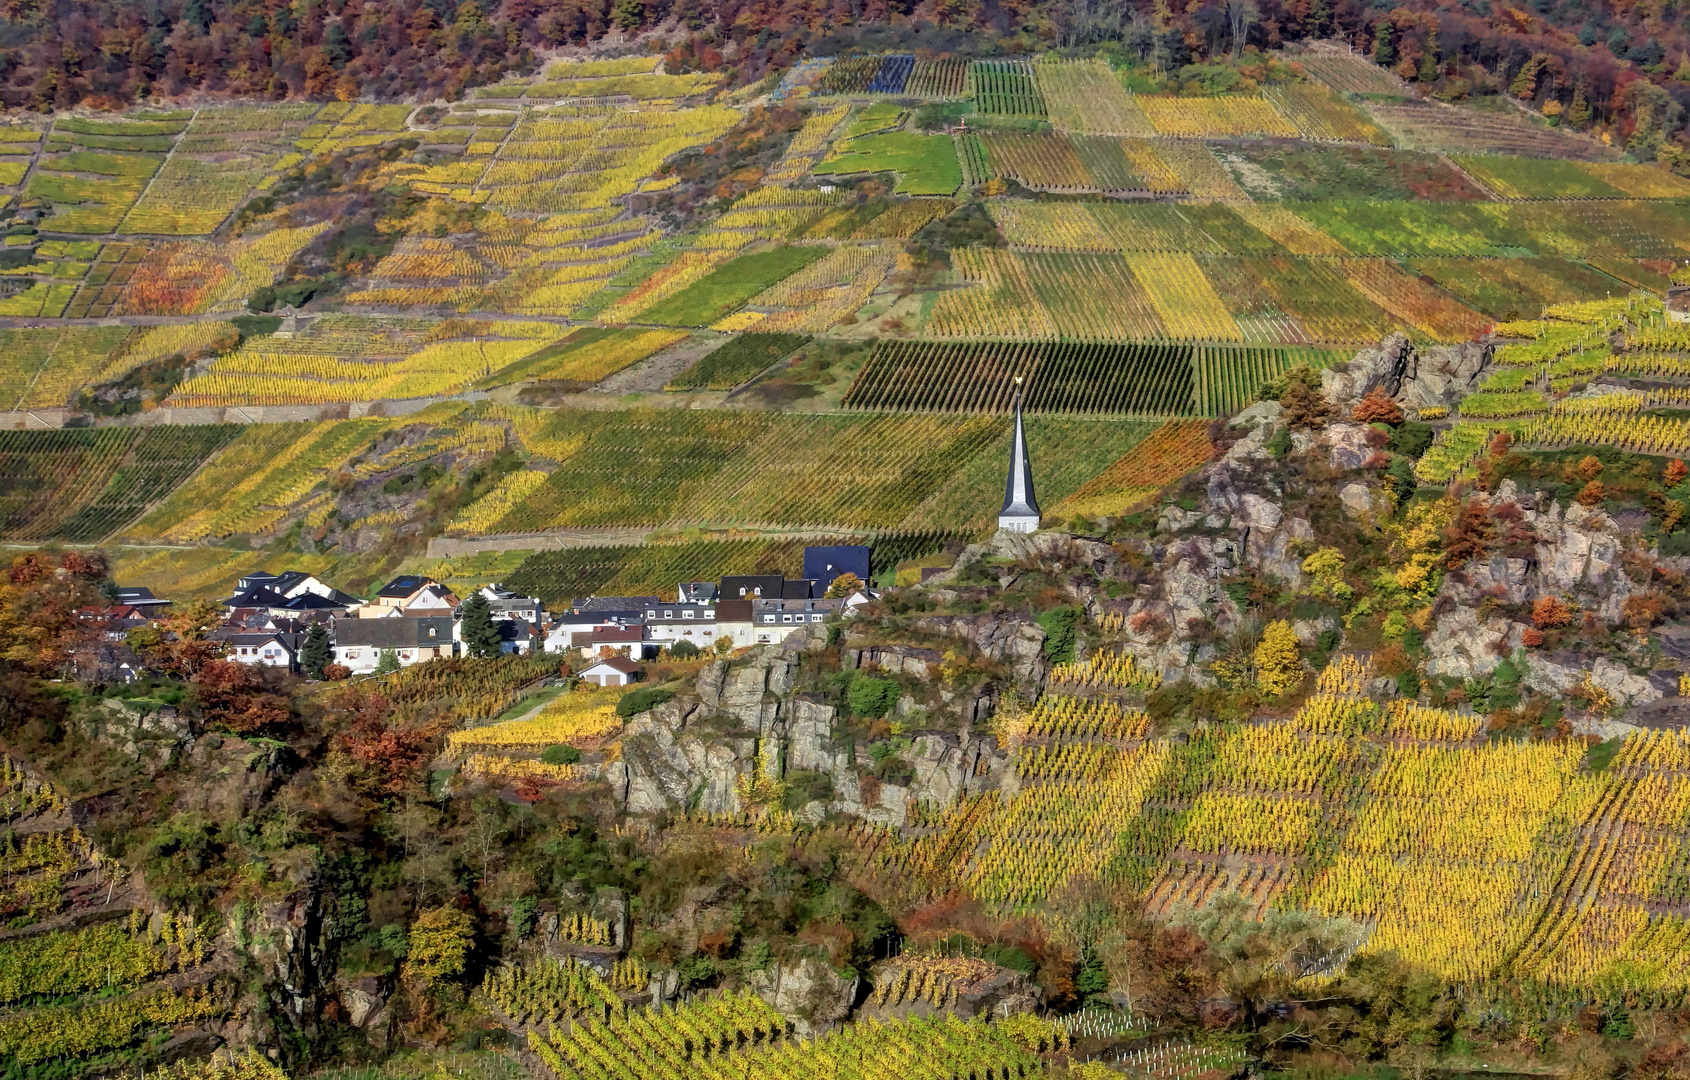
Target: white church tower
{"x":1020,"y":511}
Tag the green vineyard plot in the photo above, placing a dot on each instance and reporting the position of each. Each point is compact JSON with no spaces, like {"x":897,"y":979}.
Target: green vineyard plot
{"x":1143,"y":380}
{"x":82,"y":485}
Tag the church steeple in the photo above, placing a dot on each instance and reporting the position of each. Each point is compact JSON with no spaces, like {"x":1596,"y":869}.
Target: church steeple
{"x":1020,"y":511}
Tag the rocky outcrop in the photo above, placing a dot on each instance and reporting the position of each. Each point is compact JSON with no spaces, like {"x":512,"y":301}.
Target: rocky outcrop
{"x":1438,"y":376}
{"x":807,"y":992}
{"x":1574,"y":554}
{"x":155,"y":735}
{"x":1015,"y":641}
{"x":290,"y":942}
{"x":702,"y":752}
{"x":1461,"y":646}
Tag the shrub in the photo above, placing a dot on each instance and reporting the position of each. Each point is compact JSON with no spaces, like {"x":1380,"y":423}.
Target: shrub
{"x":1551,"y":613}
{"x":1408,"y":684}
{"x":1058,"y":624}
{"x":871,"y":697}
{"x":642,"y":699}
{"x":560,"y":754}
{"x":683,"y":650}
{"x":1592,"y":493}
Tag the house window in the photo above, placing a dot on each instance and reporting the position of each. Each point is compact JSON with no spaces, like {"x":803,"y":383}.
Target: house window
{"x":815,"y":618}
{"x":668,"y":613}
{"x":786,"y":618}
{"x":686,"y":614}
{"x":709,"y":614}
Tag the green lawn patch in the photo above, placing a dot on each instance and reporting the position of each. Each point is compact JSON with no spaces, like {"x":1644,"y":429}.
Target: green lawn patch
{"x":925,"y":164}
{"x":736,"y":361}
{"x":730,"y":285}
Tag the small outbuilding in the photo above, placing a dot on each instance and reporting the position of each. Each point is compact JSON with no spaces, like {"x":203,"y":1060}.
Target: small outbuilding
{"x":613,"y":671}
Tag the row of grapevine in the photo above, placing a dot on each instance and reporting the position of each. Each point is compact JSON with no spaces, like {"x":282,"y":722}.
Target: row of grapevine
{"x":1124,"y":379}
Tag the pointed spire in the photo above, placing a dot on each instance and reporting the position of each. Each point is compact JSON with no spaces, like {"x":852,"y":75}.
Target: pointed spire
{"x":1020,"y":511}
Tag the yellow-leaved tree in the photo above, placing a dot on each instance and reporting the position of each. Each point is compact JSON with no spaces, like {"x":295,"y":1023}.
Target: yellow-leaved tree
{"x":1279,"y":663}
{"x":438,"y":945}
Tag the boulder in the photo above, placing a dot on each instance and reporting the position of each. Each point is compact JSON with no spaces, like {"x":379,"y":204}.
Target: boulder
{"x":1356,"y":499}
{"x":807,"y":992}
{"x":1622,"y":685}
{"x":1462,"y":647}
{"x":1347,"y":446}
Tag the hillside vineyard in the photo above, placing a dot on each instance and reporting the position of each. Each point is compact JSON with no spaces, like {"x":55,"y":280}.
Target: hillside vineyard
{"x":559,"y":540}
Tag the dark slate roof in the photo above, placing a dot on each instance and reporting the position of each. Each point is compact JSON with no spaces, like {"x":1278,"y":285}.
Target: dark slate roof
{"x":310,"y":601}
{"x":617,"y":663}
{"x":697,"y":592}
{"x":404,"y":585}
{"x":259,"y":596}
{"x":393,"y":633}
{"x":751,"y":586}
{"x":796,"y":589}
{"x":826,"y":563}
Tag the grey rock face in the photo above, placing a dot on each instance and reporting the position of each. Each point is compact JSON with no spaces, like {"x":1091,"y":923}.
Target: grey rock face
{"x":807,"y":992}
{"x":1462,"y":647}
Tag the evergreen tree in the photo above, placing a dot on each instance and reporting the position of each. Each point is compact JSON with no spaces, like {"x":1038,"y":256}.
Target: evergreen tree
{"x":480,"y":636}
{"x":387,"y":662}
{"x":315,"y":655}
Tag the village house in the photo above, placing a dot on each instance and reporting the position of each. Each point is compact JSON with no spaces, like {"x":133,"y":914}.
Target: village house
{"x":410,"y":596}
{"x":611,"y":671}
{"x":359,"y":643}
{"x":701,"y":625}
{"x":573,"y":629}
{"x":505,"y":604}
{"x":265,"y":648}
{"x":115,"y":620}
{"x":774,"y":619}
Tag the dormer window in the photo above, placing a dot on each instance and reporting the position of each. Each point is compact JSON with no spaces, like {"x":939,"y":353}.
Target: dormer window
{"x":431,"y":631}
{"x":758,"y":590}
{"x":742,"y":591}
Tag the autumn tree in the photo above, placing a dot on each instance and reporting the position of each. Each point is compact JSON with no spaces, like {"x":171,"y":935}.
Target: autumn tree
{"x":1675,"y":472}
{"x":1376,"y":407}
{"x":438,"y":946}
{"x":1279,"y":661}
{"x":1592,"y":493}
{"x":843,"y":585}
{"x":1304,"y":405}
{"x":180,"y":643}
{"x":393,"y":750}
{"x":40,"y":630}
{"x":1470,"y":535}
{"x":234,"y":697}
